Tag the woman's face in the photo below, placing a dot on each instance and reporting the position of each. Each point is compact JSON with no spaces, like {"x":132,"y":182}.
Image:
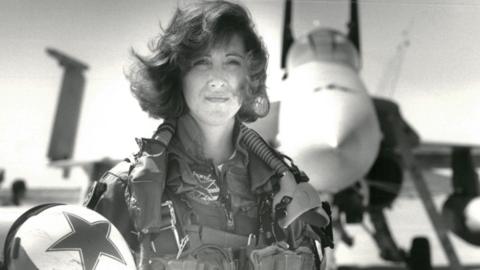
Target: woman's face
{"x":212,"y":86}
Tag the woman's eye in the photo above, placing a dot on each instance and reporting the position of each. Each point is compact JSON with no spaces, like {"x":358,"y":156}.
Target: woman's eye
{"x":234,"y":62}
{"x":200,"y":62}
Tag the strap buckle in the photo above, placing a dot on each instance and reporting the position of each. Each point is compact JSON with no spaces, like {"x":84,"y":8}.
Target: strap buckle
{"x":172,"y":226}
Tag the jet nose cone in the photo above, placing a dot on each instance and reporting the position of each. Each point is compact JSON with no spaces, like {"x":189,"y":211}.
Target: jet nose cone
{"x":334,"y":137}
{"x":328,"y":125}
{"x":327,"y":119}
{"x":340,"y":116}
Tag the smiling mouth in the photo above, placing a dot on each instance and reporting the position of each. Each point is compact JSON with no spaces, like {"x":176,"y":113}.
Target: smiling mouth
{"x":217,"y":99}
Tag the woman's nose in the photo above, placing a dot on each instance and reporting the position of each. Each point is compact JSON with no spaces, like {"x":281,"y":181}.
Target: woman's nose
{"x":216,"y":83}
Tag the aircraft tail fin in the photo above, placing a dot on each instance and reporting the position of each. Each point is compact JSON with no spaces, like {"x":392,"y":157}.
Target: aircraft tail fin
{"x":354,"y":26}
{"x":287,"y":39}
{"x":62,"y":139}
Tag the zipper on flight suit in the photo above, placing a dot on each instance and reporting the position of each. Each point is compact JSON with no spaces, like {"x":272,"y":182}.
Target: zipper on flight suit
{"x":225,"y":198}
{"x":227,"y":206}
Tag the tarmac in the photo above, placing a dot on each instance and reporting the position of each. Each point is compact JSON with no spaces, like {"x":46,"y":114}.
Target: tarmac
{"x":407,"y":219}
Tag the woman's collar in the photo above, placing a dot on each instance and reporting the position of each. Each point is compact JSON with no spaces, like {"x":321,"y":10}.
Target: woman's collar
{"x":191,"y":137}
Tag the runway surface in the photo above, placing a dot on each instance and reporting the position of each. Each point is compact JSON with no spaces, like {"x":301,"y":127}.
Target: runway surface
{"x":407,"y":219}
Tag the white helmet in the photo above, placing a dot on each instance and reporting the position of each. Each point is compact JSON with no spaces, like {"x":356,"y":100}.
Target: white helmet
{"x":54,"y":236}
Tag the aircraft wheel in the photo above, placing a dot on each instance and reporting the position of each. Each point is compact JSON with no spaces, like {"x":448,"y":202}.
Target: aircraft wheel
{"x":419,"y":257}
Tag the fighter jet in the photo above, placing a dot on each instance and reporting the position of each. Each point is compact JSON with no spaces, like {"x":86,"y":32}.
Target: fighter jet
{"x":357,"y":147}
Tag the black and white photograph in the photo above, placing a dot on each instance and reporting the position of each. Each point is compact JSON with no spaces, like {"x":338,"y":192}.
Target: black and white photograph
{"x":239,"y":134}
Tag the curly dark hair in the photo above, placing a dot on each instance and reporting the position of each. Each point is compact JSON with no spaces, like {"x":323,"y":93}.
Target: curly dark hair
{"x":155,"y":80}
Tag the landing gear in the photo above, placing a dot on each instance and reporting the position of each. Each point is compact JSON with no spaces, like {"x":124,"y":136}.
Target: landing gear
{"x":419,"y":257}
{"x":389,"y":250}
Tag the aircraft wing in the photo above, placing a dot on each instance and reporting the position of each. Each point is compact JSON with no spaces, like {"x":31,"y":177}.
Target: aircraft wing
{"x":93,"y":168}
{"x":439,"y":155}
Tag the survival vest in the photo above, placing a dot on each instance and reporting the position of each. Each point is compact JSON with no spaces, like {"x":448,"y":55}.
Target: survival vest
{"x":132,"y":196}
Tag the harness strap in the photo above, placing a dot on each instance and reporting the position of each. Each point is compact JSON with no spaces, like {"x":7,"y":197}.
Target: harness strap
{"x":200,"y":235}
{"x":268,"y":220}
{"x":163,"y":242}
{"x":146,"y":186}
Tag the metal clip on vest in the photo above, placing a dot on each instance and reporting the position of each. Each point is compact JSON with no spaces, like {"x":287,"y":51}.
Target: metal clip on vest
{"x":181,"y":243}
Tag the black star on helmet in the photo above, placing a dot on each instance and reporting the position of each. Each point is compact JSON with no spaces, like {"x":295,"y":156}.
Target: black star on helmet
{"x":91,"y":240}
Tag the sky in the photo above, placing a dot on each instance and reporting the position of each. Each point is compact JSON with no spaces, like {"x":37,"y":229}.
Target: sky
{"x":434,"y":79}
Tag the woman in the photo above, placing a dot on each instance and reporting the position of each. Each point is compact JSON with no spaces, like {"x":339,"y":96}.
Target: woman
{"x":206,"y":191}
